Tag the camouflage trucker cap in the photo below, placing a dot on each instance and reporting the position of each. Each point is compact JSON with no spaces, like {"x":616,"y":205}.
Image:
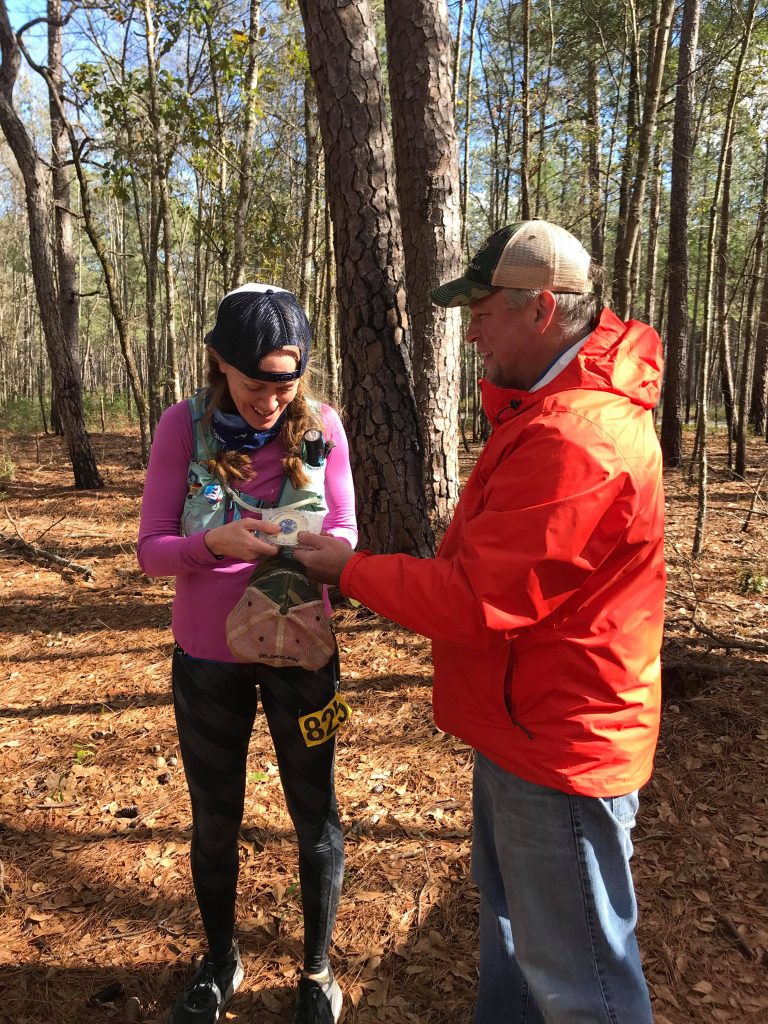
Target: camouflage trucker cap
{"x":529,"y":254}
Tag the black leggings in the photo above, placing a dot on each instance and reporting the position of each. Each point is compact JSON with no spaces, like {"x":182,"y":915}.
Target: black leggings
{"x":215,"y":706}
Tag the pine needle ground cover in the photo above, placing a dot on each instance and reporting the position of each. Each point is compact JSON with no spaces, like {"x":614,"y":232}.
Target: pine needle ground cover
{"x":97,"y":915}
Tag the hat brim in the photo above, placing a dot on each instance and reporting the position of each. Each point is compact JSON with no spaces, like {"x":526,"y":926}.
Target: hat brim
{"x":460,"y":292}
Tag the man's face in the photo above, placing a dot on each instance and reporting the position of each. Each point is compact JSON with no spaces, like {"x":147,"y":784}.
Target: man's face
{"x":507,"y":341}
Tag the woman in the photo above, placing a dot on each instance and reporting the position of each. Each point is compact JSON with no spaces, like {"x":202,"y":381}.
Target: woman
{"x":215,"y":459}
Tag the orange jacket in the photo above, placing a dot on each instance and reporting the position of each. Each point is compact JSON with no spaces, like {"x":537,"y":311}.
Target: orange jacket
{"x":544,"y":603}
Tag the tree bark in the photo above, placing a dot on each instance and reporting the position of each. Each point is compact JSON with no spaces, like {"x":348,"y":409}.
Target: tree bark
{"x":723,"y":238}
{"x":525,"y":115}
{"x":378,"y":391}
{"x":116,"y":304}
{"x":245,"y":172}
{"x":651,"y":255}
{"x":464,"y":188}
{"x":69,"y":295}
{"x":626,"y":255}
{"x":311,"y":169}
{"x":632,"y":56}
{"x":37,"y":194}
{"x":746,"y":362}
{"x":426,"y":158}
{"x":594,"y":147}
{"x":162,"y":164}
{"x":757,"y":405}
{"x":677,"y":265}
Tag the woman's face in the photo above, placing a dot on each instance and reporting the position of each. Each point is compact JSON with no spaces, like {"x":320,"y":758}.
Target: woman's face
{"x":260,"y":402}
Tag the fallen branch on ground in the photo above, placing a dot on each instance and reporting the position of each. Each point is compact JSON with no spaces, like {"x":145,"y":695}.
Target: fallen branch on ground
{"x":32,"y":549}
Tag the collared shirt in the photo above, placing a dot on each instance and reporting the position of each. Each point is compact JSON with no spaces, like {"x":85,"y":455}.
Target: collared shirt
{"x":559,"y":364}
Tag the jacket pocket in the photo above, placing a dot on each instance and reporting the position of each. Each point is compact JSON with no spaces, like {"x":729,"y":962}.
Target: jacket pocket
{"x":508,"y":703}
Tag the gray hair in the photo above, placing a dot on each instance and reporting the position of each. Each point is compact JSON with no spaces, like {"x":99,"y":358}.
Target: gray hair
{"x":576,"y":313}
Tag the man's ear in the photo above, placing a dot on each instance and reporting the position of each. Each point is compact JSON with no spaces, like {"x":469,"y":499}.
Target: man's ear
{"x":545,"y":308}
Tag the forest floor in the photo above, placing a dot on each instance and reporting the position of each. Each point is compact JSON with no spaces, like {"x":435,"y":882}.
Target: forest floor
{"x":95,"y":891}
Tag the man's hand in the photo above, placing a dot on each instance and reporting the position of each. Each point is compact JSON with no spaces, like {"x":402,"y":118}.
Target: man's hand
{"x":237,"y":539}
{"x":324,"y":557}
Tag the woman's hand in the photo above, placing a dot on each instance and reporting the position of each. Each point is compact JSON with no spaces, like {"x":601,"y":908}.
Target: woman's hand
{"x":238,"y":539}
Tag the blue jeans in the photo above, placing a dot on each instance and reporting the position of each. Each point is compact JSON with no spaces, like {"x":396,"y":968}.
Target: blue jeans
{"x":557,"y":905}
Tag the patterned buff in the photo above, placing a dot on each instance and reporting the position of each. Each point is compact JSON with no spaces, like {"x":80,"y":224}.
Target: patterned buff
{"x":234,"y":434}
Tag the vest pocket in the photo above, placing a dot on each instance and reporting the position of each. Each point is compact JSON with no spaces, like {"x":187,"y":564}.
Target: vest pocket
{"x":206,"y":503}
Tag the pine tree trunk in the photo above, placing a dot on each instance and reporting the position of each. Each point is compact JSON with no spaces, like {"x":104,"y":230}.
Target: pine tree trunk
{"x":149,"y":238}
{"x":162,"y":165}
{"x":722,"y":325}
{"x":630,"y":146}
{"x":375,"y":346}
{"x":116,"y":304}
{"x":626,"y":255}
{"x":219,"y":217}
{"x":245,"y":171}
{"x":757,"y":405}
{"x":37,"y":193}
{"x":69,"y":294}
{"x":651,"y":255}
{"x":677,"y":265}
{"x":426,"y":157}
{"x":525,"y":115}
{"x":746,"y":362}
{"x":594,"y":147}
{"x":330,"y":322}
{"x":311,"y":168}
{"x":464,"y":186}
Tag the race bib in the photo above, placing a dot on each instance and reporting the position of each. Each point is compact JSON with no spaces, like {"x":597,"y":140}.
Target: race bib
{"x":320,"y":726}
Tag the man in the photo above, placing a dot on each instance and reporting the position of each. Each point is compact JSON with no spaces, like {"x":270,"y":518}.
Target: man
{"x":544,"y":605}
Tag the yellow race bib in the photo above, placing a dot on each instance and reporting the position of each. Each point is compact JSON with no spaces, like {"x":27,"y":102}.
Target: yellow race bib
{"x":320,"y":726}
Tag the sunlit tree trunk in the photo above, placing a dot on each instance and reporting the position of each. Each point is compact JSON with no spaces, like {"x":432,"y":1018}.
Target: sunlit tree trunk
{"x":464,"y":185}
{"x":722,"y":326}
{"x":37,"y":193}
{"x":677,"y":263}
{"x":651,"y":253}
{"x":111,"y":280}
{"x":69,"y":294}
{"x":757,"y":405}
{"x":149,"y":240}
{"x":162,"y":163}
{"x":330,"y":319}
{"x":525,"y":108}
{"x":626,"y":254}
{"x":594,"y":147}
{"x":746,"y":362}
{"x":632,"y":66}
{"x":311,"y":169}
{"x":115,"y":292}
{"x":247,"y":147}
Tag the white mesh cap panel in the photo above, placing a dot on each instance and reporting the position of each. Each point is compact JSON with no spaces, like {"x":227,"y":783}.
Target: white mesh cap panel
{"x":543,"y":255}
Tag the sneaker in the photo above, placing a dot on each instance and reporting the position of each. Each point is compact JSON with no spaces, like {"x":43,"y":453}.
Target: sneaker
{"x":204,"y":998}
{"x":318,"y":1002}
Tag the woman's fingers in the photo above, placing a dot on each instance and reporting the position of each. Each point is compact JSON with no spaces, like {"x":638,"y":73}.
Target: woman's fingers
{"x":259,"y":525}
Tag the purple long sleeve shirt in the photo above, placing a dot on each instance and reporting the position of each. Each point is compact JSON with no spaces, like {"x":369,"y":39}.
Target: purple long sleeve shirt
{"x":208,"y":588}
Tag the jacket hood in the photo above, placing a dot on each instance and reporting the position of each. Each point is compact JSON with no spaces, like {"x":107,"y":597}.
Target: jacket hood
{"x":619,"y":358}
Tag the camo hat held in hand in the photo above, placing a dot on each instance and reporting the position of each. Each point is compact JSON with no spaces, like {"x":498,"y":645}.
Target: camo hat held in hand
{"x":280,"y":620}
{"x":253,"y":321}
{"x":530,"y":254}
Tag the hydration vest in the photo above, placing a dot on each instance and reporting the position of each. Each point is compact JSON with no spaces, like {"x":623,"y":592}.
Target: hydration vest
{"x":210,"y":500}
